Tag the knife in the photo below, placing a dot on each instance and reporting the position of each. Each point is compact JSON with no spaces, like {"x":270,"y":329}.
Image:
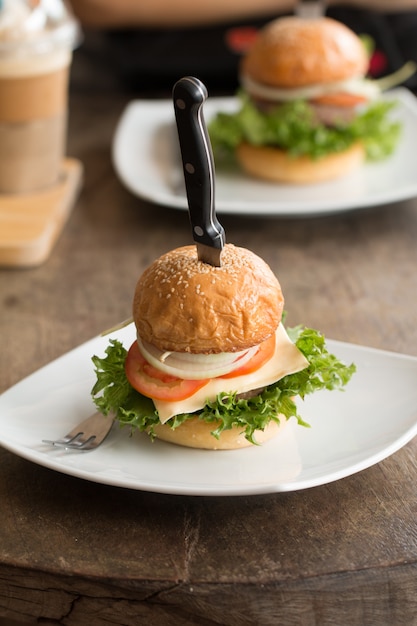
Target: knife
{"x":189,"y":94}
{"x":310,"y":9}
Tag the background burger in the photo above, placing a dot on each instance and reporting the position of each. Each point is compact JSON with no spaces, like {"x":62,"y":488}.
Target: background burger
{"x":212,"y":366}
{"x":307,"y":111}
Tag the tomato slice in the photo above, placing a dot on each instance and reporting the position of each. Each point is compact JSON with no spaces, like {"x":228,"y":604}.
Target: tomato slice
{"x":261,"y":356}
{"x":340,"y":99}
{"x":155,"y":384}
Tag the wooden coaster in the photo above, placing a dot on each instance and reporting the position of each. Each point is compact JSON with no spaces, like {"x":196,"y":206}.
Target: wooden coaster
{"x":30,"y":224}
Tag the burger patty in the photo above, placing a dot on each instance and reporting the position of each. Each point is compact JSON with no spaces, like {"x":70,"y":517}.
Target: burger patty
{"x":247,"y":395}
{"x":331,"y":115}
{"x":327,"y":114}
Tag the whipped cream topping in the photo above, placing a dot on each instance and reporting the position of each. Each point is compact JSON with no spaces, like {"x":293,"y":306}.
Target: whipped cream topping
{"x":20,"y":20}
{"x":28,"y":20}
{"x":35,"y":28}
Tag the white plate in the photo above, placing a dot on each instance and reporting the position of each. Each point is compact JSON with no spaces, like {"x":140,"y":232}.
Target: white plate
{"x":147,"y":160}
{"x":350,"y":431}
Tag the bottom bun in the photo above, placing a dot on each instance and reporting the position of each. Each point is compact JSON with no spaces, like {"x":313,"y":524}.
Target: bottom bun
{"x":194,"y":433}
{"x":277,"y":165}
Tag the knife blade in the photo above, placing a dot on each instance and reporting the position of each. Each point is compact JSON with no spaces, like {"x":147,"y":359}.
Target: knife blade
{"x":310,"y":9}
{"x":189,"y":95}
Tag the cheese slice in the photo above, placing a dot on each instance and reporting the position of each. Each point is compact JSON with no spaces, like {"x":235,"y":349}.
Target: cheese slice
{"x":287,"y":359}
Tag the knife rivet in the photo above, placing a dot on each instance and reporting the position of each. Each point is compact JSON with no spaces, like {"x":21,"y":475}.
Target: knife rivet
{"x":189,"y":167}
{"x":198,"y":231}
{"x":180,"y":103}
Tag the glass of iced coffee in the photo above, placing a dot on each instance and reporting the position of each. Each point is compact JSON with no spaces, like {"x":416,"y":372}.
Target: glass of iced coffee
{"x":37,"y":38}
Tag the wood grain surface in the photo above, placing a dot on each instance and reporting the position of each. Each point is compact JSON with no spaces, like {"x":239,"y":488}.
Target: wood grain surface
{"x":74,"y":552}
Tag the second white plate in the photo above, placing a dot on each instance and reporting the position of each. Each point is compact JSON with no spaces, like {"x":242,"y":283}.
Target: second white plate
{"x":147,"y":160}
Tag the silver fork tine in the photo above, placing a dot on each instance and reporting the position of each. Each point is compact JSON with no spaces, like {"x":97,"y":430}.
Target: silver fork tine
{"x":87,"y":435}
{"x":80,"y":441}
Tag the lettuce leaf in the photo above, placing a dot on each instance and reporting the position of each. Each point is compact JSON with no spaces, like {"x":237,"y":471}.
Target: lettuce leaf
{"x":292,"y":126}
{"x":113,"y":392}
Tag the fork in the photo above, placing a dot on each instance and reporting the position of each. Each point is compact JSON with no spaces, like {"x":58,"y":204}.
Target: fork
{"x":87,"y":435}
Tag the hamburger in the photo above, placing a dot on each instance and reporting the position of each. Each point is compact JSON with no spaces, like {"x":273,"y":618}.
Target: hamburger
{"x":212,"y":365}
{"x":307,"y":111}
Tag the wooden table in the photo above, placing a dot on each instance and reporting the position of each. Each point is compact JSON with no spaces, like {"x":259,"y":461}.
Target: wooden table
{"x":74,"y":552}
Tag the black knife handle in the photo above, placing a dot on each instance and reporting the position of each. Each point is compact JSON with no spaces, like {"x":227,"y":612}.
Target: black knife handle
{"x":189,"y":94}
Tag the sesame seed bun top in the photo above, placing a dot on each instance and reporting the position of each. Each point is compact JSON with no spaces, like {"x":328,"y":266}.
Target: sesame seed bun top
{"x":184,"y":305}
{"x":292,"y":52}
